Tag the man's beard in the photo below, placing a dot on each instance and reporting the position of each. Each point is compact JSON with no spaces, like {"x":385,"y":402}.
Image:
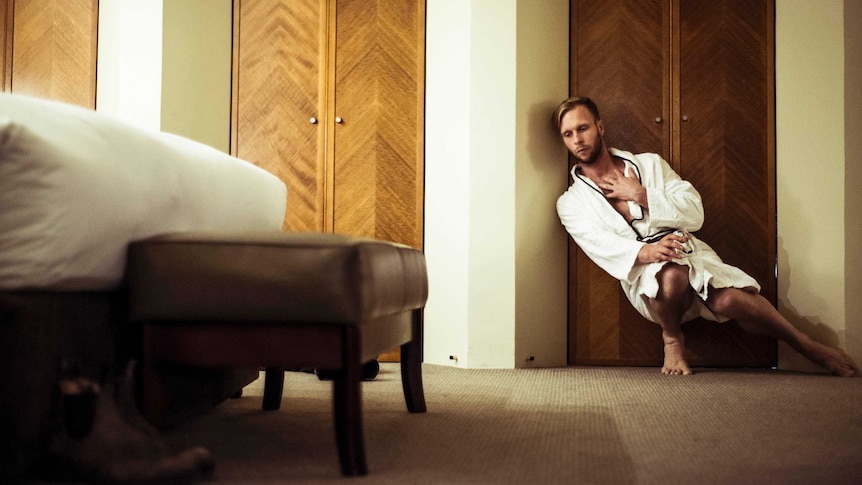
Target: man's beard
{"x":594,"y":154}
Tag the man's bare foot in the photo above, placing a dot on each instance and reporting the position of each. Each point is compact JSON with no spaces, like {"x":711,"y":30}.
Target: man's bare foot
{"x":674,"y":360}
{"x":832,"y":359}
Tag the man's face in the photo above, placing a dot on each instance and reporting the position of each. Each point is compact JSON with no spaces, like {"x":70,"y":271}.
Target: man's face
{"x":582,"y":134}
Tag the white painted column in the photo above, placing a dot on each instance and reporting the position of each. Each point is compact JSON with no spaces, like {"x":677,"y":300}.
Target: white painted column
{"x":493,"y":169}
{"x":129,"y":70}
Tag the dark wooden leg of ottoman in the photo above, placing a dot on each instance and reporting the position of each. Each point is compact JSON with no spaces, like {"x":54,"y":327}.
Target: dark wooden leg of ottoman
{"x":273,"y":388}
{"x":347,"y":407}
{"x":411,"y":366}
{"x":154,"y":395}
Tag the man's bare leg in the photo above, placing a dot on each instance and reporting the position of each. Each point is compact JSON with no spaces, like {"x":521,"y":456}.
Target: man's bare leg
{"x":672,"y":300}
{"x":757,"y":315}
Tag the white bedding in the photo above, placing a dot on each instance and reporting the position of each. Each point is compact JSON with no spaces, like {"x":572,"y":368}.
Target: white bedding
{"x":76,"y":187}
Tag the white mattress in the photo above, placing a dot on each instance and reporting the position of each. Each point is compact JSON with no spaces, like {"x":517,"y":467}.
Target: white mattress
{"x":76,"y":187}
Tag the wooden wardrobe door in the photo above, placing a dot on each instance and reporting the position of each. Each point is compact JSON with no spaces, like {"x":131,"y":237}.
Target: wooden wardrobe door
{"x":726,"y":141}
{"x":379,"y":78}
{"x":620,"y":59}
{"x":279,"y":86}
{"x":710,"y":63}
{"x":7,"y":10}
{"x":51,"y":52}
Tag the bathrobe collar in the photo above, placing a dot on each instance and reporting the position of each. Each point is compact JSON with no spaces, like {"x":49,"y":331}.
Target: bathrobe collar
{"x":631,"y":167}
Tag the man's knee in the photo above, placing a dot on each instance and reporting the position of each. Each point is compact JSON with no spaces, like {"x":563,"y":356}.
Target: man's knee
{"x":673,"y":282}
{"x":728,"y":302}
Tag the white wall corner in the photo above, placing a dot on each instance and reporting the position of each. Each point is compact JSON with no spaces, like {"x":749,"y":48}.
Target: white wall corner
{"x":447,"y":180}
{"x":495,"y":249}
{"x":491,"y":250}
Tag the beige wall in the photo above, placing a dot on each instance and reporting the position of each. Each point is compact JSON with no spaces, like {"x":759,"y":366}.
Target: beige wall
{"x":541,"y":175}
{"x":817,"y":224}
{"x":196,"y":70}
{"x":165,"y":65}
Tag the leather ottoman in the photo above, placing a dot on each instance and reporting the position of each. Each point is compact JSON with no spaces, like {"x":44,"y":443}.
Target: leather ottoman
{"x":280,"y":301}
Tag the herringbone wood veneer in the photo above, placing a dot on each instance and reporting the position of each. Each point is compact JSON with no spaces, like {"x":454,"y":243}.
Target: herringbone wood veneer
{"x":623,"y":64}
{"x":54,"y":50}
{"x":280,"y":58}
{"x":6,"y":29}
{"x":378,"y":84}
{"x":723,"y":145}
{"x":358,"y":61}
{"x":724,"y":150}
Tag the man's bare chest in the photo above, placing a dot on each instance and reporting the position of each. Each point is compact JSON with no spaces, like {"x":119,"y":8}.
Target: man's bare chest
{"x":622,"y":207}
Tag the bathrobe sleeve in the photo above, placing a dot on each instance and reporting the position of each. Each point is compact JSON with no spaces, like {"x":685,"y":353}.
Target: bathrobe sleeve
{"x":673,"y":202}
{"x":613,"y":247}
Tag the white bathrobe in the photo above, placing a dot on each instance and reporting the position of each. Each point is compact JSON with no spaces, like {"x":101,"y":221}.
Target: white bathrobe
{"x":613,"y":244}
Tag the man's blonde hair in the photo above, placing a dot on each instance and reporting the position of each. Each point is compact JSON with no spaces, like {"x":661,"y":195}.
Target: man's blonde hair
{"x":572,"y":103}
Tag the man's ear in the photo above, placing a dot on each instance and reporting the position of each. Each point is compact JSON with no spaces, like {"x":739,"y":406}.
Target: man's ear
{"x":601,"y":126}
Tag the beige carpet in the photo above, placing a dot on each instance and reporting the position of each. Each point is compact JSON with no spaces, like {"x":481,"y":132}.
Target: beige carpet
{"x":603,"y":425}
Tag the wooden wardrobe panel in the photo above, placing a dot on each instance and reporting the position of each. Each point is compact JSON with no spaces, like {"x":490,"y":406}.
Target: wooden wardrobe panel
{"x":725,"y":139}
{"x":608,"y":330}
{"x":379,"y":79}
{"x":6,"y":30}
{"x":278,"y":87}
{"x":54,"y":45}
{"x":724,"y":145}
{"x":621,"y":60}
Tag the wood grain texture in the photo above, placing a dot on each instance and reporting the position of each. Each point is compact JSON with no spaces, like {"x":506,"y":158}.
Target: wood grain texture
{"x":723,"y":146}
{"x":725,"y":151}
{"x":621,"y":58}
{"x":7,"y":15}
{"x":711,"y":62}
{"x":607,"y":37}
{"x":54,"y":50}
{"x":362,"y":61}
{"x":278,"y":86}
{"x":378,"y":76}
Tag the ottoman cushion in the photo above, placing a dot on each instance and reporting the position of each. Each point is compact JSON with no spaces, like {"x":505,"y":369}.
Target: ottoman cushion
{"x":272,"y":276}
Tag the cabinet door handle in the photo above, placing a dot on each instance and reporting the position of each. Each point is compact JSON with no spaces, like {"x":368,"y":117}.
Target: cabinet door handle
{"x":339,"y":120}
{"x":313,"y":120}
{"x":684,"y":118}
{"x":658,"y":119}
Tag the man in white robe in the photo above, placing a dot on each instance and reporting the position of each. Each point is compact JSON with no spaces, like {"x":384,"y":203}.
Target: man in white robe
{"x":633,"y":216}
